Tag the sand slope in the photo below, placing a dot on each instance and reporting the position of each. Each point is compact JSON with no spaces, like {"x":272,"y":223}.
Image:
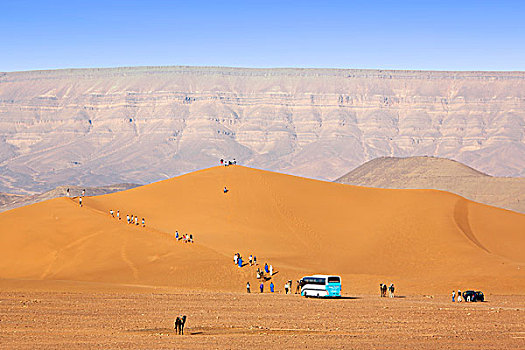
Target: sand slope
{"x":424,"y":240}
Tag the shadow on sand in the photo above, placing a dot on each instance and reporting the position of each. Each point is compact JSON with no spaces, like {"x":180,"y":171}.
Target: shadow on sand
{"x":349,"y":298}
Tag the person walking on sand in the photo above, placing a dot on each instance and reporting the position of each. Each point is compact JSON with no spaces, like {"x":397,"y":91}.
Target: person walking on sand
{"x":191,"y":238}
{"x":80,"y":201}
{"x":83,"y":192}
{"x":453,"y":296}
{"x":392,"y":290}
{"x":266,"y":268}
{"x":248,"y":287}
{"x":250,"y":260}
{"x":254,"y":260}
{"x":258,"y":274}
{"x":261,"y":287}
{"x":118,"y":214}
{"x":271,"y":287}
{"x":67,"y":192}
{"x":143,"y":223}
{"x":136,"y":221}
{"x":459,"y":296}
{"x":235,"y":257}
{"x":286,"y":288}
{"x":225,"y":190}
{"x":271,"y":270}
{"x":111,"y":212}
{"x":240,"y":262}
{"x":127,"y":218}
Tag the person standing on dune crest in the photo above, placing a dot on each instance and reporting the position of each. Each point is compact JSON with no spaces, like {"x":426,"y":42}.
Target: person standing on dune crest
{"x":80,"y":201}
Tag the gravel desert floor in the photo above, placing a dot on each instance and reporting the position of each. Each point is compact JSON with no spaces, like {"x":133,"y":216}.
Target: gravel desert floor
{"x":134,"y":318}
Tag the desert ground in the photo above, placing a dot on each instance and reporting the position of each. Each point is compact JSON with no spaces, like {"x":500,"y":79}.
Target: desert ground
{"x":86,"y":315}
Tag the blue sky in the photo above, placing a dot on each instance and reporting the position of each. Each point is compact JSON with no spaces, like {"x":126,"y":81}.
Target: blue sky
{"x":434,"y":35}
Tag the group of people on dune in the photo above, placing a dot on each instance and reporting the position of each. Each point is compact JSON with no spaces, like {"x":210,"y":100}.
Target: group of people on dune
{"x":383,"y":288}
{"x":83,"y":193}
{"x":237,"y":260}
{"x":185,"y":238}
{"x":130,"y":219}
{"x":228,"y":162}
{"x":265,"y":274}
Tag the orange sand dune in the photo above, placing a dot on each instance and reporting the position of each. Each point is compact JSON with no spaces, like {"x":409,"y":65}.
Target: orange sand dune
{"x":425,"y":241}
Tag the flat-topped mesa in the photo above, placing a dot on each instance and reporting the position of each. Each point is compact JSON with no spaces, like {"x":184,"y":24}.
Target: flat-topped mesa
{"x":98,"y":126}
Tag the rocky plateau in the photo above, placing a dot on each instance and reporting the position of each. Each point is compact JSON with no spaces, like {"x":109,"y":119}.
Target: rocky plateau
{"x":95,"y":127}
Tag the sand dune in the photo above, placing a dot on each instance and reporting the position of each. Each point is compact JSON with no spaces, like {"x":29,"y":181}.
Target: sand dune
{"x":424,"y":240}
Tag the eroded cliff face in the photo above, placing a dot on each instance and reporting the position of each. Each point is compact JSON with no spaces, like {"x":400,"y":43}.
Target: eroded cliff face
{"x":100,"y":126}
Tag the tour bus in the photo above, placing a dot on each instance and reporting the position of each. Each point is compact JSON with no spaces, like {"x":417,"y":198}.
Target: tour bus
{"x":322,"y":286}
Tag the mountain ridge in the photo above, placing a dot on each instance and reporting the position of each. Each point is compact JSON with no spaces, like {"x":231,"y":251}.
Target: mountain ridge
{"x":139,"y":125}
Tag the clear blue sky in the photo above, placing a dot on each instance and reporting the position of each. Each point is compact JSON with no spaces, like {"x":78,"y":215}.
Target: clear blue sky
{"x":437,"y":35}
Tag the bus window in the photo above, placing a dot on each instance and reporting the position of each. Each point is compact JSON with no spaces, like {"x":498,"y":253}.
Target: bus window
{"x":334,"y":279}
{"x":314,"y":280}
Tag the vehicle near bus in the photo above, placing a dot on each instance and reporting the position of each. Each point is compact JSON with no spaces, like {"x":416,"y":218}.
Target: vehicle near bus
{"x":473,"y":296}
{"x":321,"y":286}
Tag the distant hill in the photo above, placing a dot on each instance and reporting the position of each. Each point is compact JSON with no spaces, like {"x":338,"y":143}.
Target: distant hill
{"x":440,"y":174}
{"x":10,"y":201}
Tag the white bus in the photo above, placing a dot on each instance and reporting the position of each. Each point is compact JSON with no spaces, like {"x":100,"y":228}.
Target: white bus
{"x":321,"y":286}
